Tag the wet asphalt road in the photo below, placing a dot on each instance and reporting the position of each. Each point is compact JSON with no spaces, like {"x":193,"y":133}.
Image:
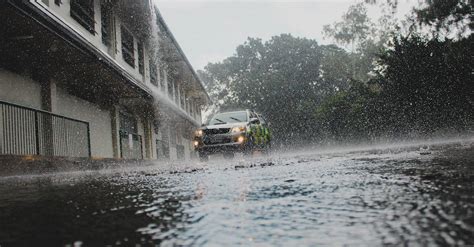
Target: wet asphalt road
{"x":393,"y":196}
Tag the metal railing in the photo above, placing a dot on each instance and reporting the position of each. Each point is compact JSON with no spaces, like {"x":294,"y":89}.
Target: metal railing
{"x":131,"y":146}
{"x":27,"y":131}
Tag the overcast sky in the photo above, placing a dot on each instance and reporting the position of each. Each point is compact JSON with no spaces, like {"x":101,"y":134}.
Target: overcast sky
{"x":210,"y":30}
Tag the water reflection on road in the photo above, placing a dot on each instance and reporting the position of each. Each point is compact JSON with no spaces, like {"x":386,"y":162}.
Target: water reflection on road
{"x":373,"y":197}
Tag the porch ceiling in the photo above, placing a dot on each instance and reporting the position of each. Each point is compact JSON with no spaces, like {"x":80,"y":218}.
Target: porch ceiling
{"x":34,"y":47}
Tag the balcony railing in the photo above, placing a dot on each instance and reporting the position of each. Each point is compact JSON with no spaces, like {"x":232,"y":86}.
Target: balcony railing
{"x":26,"y":131}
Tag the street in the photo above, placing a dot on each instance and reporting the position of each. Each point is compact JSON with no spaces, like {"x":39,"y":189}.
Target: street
{"x":416,"y":194}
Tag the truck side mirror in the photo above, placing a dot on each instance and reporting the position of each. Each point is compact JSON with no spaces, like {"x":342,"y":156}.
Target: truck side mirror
{"x":254,"y":121}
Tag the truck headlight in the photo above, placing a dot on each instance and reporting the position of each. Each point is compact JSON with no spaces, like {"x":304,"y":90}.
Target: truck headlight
{"x":238,"y":129}
{"x":199,"y":133}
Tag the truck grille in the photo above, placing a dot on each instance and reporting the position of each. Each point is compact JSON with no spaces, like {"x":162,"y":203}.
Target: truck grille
{"x":217,"y":140}
{"x":216,"y":131}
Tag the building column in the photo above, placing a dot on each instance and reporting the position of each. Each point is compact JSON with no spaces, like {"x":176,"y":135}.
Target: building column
{"x":158,"y":70}
{"x":148,"y":136}
{"x":48,"y":95}
{"x":199,"y":117}
{"x":48,"y":103}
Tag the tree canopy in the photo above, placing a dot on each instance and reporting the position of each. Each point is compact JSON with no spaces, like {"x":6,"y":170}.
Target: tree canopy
{"x":381,"y":83}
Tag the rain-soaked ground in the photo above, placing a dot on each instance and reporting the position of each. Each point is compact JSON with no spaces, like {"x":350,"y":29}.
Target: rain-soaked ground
{"x":398,"y":195}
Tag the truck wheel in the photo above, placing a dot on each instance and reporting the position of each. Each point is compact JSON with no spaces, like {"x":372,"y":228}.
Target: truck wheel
{"x":267,"y":149}
{"x":203,"y":156}
{"x":229,"y":155}
{"x":250,"y":146}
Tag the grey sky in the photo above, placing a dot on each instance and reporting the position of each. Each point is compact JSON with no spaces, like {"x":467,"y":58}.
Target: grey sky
{"x":209,"y":31}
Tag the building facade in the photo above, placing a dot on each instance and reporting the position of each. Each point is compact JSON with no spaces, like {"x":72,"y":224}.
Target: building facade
{"x":94,"y":78}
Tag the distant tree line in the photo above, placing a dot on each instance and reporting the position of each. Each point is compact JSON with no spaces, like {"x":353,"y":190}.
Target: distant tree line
{"x":379,"y":80}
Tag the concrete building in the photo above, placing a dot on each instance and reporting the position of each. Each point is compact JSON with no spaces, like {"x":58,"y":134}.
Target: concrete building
{"x":94,"y":78}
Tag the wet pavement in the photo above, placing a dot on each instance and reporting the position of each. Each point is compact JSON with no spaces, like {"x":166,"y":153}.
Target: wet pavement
{"x":417,"y":195}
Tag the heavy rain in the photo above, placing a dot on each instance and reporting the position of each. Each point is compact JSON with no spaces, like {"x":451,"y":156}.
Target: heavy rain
{"x":236,"y":123}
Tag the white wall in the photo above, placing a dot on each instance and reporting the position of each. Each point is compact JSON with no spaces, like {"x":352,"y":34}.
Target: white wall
{"x":19,"y":89}
{"x":100,"y":122}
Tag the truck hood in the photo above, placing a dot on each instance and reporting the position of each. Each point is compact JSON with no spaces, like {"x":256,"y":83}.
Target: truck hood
{"x":224,"y":126}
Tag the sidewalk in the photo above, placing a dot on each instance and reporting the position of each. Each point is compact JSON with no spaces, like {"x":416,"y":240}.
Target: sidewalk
{"x":11,"y":165}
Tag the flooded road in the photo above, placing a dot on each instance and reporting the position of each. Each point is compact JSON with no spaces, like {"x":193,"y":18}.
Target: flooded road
{"x":400,"y":195}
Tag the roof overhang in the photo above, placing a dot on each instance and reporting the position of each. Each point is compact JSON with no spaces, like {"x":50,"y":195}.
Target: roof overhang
{"x":39,"y":14}
{"x":178,"y":48}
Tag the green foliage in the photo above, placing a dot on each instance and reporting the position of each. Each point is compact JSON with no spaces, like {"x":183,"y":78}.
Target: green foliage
{"x":428,"y":84}
{"x":447,"y":16}
{"x":443,"y":17}
{"x":389,"y":85}
{"x":347,"y":114}
{"x":362,"y":37}
{"x":423,"y":84}
{"x":354,"y":28}
{"x":284,"y":78}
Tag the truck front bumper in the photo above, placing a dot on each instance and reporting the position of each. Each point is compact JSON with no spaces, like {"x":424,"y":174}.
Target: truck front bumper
{"x":202,"y":144}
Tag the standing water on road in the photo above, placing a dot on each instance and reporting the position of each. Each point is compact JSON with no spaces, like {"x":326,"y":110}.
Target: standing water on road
{"x":401,"y":195}
{"x":109,"y":126}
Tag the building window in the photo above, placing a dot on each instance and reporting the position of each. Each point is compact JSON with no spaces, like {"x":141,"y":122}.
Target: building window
{"x":130,"y":141}
{"x":83,"y":12}
{"x":173,"y":134}
{"x":58,"y":2}
{"x":128,"y":52}
{"x":162,"y":78}
{"x":176,"y":94}
{"x":170,"y":87}
{"x":141,"y":59}
{"x":162,"y":149}
{"x":153,"y":73}
{"x":106,"y":23}
{"x":183,"y":100}
{"x":128,"y":123}
{"x":162,"y":146}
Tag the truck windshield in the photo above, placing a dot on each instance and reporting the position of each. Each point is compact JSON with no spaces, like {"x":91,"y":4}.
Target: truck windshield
{"x":229,"y":117}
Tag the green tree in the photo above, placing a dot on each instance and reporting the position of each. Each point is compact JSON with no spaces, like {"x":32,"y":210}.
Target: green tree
{"x":447,"y":17}
{"x":427,"y":84}
{"x":354,"y":28}
{"x":348,"y":115}
{"x":442,"y":17}
{"x":417,"y":77}
{"x":284,"y":78}
{"x":362,"y":37}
